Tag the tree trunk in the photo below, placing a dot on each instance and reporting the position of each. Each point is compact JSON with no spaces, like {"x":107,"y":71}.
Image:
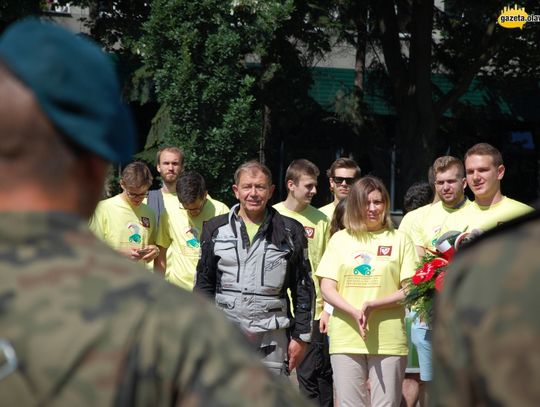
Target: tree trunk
{"x":265,"y":133}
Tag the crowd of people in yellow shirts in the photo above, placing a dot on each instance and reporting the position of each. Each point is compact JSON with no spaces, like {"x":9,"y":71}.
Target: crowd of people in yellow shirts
{"x":360,"y":262}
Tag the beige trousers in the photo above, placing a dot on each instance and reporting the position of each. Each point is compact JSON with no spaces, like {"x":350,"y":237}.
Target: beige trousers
{"x":352,"y":372}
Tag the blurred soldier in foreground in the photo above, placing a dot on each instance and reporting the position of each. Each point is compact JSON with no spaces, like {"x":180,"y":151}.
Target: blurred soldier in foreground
{"x":79,"y":324}
{"x":486,"y":336}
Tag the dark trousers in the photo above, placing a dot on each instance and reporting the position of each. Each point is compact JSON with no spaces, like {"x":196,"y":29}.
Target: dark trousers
{"x":315,"y":372}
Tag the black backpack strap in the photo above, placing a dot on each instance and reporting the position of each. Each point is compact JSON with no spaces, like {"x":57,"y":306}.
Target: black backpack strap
{"x":155,"y":201}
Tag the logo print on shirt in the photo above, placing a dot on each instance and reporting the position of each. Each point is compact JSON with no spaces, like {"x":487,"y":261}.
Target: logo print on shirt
{"x":145,"y":221}
{"x":364,"y":268}
{"x":384,"y":251}
{"x":436,"y":235}
{"x":309,"y":231}
{"x":192,"y":242}
{"x":135,"y":236}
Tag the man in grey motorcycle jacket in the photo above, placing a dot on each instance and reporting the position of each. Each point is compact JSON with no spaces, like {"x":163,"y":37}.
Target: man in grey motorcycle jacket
{"x":254,"y":265}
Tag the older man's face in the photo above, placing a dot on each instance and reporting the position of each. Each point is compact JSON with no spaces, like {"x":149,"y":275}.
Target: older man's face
{"x":253,"y":191}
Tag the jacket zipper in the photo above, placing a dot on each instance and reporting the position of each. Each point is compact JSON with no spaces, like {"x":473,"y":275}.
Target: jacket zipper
{"x":237,"y":262}
{"x":263,"y":261}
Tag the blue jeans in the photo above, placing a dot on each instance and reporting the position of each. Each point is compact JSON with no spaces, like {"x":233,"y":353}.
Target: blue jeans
{"x":421,"y":337}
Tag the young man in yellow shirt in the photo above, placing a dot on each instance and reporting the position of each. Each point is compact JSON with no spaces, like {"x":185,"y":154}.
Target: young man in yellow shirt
{"x":485,"y":170}
{"x":124,"y":222}
{"x":180,"y":228}
{"x":341,"y":175}
{"x":449,"y":182}
{"x":314,"y":373}
{"x":169,"y":164}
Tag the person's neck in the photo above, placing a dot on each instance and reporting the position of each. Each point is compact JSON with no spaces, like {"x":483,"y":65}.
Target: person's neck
{"x":125,"y":198}
{"x":457,"y":205}
{"x":252,"y":217}
{"x":488,"y":201}
{"x":36,"y":200}
{"x":293,"y":205}
{"x":336,"y":200}
{"x":169,"y":187}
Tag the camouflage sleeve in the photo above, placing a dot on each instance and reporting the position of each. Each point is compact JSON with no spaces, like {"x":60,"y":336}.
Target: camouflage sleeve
{"x":450,"y":353}
{"x":202,"y":360}
{"x":485,"y":347}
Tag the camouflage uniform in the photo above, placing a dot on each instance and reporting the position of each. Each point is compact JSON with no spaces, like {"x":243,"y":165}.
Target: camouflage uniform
{"x":92,"y":329}
{"x":486,"y":346}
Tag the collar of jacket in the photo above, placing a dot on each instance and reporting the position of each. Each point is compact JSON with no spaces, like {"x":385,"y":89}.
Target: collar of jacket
{"x":273,"y":226}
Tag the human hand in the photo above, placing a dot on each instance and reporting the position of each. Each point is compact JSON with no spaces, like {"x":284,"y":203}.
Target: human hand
{"x":296,"y":352}
{"x":149,"y":253}
{"x":323,"y":323}
{"x":362,"y":316}
{"x":131,"y":253}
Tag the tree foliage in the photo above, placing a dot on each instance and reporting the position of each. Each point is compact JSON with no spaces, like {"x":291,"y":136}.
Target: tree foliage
{"x":197,"y":58}
{"x":410,"y":41}
{"x":11,"y":11}
{"x":232,"y":77}
{"x":229,"y":73}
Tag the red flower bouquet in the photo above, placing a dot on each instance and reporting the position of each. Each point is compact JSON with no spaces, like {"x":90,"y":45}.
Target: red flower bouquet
{"x":429,"y":276}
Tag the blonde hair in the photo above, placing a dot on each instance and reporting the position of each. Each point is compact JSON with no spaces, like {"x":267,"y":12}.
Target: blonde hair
{"x":445,"y":162}
{"x":357,"y":201}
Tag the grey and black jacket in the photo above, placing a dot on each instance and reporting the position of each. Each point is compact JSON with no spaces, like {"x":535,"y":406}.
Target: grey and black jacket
{"x":249,"y":282}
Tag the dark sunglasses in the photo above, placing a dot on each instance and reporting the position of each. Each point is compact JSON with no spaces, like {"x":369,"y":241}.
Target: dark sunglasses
{"x":348,"y":181}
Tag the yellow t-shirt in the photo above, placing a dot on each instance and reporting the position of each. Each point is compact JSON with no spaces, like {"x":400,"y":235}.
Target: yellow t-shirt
{"x":430,"y":227}
{"x":316,"y":227}
{"x":121,"y":225}
{"x":367,"y":268}
{"x":412,"y":218}
{"x":180,"y":234}
{"x":251,"y":229}
{"x":328,"y":210}
{"x":486,"y":217}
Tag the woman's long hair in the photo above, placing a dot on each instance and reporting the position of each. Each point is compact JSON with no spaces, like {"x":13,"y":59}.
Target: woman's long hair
{"x":336,"y":224}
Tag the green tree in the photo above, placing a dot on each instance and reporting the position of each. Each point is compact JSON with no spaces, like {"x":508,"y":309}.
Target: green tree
{"x":233,"y":77}
{"x":196,"y":55}
{"x":412,"y":40}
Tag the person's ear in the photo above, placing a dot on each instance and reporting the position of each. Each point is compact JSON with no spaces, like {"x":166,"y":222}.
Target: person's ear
{"x":500,"y":172}
{"x":290,"y":185}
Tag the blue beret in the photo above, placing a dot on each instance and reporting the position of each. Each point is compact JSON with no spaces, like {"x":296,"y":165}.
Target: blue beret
{"x":75,"y":84}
